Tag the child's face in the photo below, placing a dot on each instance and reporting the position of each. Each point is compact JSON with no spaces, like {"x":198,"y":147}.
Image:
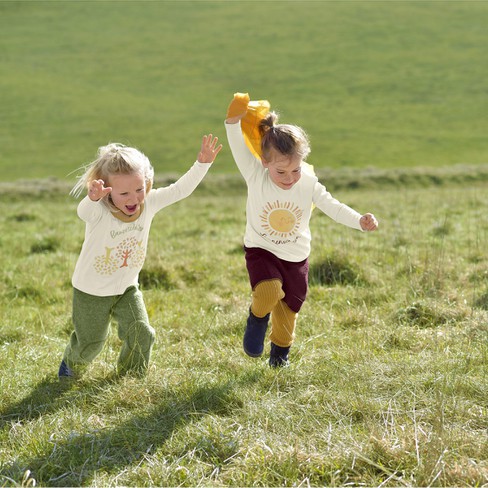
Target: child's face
{"x":128,"y":192}
{"x":284,"y":170}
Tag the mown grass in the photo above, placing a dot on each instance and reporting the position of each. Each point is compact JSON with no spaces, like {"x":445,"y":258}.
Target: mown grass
{"x":388,"y":378}
{"x":380,"y":84}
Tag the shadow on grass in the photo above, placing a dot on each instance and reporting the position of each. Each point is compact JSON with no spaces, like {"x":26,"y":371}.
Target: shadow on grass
{"x":42,"y":400}
{"x":75,"y":460}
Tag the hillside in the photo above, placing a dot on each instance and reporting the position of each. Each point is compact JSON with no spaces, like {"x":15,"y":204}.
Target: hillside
{"x":376,"y":84}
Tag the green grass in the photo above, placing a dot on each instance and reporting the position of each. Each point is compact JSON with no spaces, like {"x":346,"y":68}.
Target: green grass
{"x":388,"y":378}
{"x":380,"y":84}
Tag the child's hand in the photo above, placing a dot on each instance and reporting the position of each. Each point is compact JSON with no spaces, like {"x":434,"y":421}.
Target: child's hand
{"x":237,"y":108}
{"x":97,"y":190}
{"x":209,"y":150}
{"x":368,"y":222}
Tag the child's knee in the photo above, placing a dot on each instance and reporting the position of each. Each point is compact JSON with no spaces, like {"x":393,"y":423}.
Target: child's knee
{"x":138,"y":334}
{"x":146,"y":334}
{"x":265,"y":296}
{"x":136,"y":351}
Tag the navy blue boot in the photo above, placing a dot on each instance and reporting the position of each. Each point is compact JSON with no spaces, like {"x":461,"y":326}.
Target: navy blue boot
{"x":278,"y":356}
{"x":65,"y":372}
{"x":254,"y":335}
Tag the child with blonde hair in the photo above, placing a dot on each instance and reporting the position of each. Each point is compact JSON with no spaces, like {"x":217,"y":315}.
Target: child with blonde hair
{"x":118,"y":211}
{"x":281,"y":194}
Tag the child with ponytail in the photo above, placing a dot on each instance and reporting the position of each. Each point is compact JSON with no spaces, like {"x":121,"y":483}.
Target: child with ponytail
{"x":282,"y":191}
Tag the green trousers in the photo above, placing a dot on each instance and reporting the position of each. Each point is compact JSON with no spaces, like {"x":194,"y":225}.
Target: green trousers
{"x":91,"y":320}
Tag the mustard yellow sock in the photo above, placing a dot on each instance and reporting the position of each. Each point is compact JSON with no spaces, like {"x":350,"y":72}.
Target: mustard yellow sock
{"x":283,"y":321}
{"x":265,"y":296}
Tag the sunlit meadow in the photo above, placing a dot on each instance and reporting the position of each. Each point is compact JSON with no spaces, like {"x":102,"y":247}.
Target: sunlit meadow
{"x":388,"y":377}
{"x":388,"y":382}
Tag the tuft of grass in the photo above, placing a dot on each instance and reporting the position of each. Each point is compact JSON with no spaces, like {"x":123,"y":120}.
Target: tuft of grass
{"x":482,"y":301}
{"x":431,"y":314}
{"x":45,"y":245}
{"x":335,"y":269}
{"x":22,"y":217}
{"x":155,"y":277}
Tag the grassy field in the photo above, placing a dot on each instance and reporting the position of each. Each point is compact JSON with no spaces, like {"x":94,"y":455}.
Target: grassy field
{"x":380,"y":84}
{"x":388,"y":382}
{"x":387,"y":385}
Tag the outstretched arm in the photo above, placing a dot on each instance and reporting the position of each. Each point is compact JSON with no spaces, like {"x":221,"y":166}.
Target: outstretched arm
{"x":209,"y":150}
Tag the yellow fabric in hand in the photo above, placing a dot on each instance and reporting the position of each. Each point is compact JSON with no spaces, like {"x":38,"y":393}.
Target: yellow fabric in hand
{"x":238,"y":106}
{"x":256,"y":111}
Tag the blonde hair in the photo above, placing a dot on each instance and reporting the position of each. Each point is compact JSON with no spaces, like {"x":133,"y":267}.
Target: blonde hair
{"x":288,"y":139}
{"x":115,"y":159}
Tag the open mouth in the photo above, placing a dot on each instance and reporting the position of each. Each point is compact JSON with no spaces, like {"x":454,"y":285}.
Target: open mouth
{"x":131,"y":208}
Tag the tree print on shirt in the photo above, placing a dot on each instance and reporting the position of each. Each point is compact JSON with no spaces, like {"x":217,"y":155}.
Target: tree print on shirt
{"x":106,"y":264}
{"x":128,"y":254}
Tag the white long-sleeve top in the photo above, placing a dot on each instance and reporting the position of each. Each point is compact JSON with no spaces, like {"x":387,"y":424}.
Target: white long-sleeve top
{"x":114,"y":251}
{"x":278,"y":220}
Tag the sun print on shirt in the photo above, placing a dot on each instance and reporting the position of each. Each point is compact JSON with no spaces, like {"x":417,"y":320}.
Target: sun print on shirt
{"x":281,"y":219}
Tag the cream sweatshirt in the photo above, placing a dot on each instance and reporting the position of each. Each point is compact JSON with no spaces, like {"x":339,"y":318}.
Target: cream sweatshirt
{"x":114,"y":251}
{"x":278,"y":220}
